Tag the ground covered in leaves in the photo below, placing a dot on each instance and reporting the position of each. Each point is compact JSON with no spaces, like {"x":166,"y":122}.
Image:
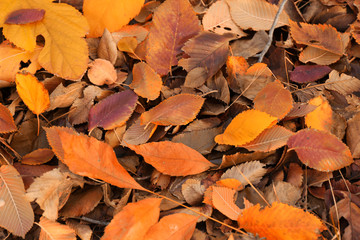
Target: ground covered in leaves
{"x":180,"y":119}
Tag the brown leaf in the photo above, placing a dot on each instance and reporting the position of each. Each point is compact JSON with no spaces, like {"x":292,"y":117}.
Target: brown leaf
{"x":138,"y":134}
{"x":353,"y":135}
{"x":174,"y":23}
{"x":135,"y":220}
{"x":16,"y":214}
{"x":54,"y":230}
{"x":174,"y":159}
{"x":64,"y":96}
{"x":207,"y":50}
{"x":320,"y":150}
{"x":7,"y":123}
{"x":108,"y":114}
{"x":177,"y":110}
{"x":89,"y":157}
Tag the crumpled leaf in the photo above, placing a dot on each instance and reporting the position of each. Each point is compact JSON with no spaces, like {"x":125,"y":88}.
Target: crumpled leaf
{"x":89,"y":157}
{"x":245,"y":127}
{"x":65,"y":52}
{"x":109,"y":14}
{"x":177,"y":110}
{"x":16,"y":214}
{"x":255,"y":14}
{"x":320,"y":150}
{"x":135,"y":220}
{"x":109,"y":113}
{"x":32,"y":92}
{"x":174,"y":159}
{"x":281,"y":222}
{"x":11,"y":58}
{"x":174,"y":23}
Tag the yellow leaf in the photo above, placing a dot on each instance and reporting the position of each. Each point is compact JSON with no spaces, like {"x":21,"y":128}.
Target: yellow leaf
{"x":110,"y":14}
{"x":321,"y":117}
{"x":245,"y":127}
{"x":65,"y":52}
{"x":32,"y":92}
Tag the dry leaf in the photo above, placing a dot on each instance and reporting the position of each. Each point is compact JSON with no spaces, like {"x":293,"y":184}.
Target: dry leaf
{"x":25,"y":16}
{"x":64,"y":96}
{"x":353,"y":135}
{"x":253,"y":172}
{"x":174,"y":23}
{"x":110,"y":14}
{"x":16,"y":214}
{"x":54,"y":230}
{"x":7,"y":123}
{"x":135,"y":220}
{"x":322,"y":117}
{"x":32,"y":92}
{"x":102,"y":72}
{"x":223,"y":200}
{"x":38,"y":156}
{"x":174,"y":159}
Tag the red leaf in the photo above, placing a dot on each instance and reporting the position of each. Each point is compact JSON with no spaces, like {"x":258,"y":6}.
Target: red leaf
{"x":24,"y":16}
{"x":309,"y":73}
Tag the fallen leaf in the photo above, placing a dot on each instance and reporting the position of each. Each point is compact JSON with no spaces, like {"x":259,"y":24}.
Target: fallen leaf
{"x":89,"y":157}
{"x":38,"y":156}
{"x":274,"y":99}
{"x":63,"y":97}
{"x":174,"y":159}
{"x":280,"y":222}
{"x":223,"y":200}
{"x":7,"y":123}
{"x":32,"y":92}
{"x":252,"y":172}
{"x":146,"y":82}
{"x":25,"y":16}
{"x":54,"y":230}
{"x":283,"y":192}
{"x":177,"y":110}
{"x":245,"y":127}
{"x":322,"y":117}
{"x":320,"y":150}
{"x":178,"y":226}
{"x":174,"y":23}
{"x":102,"y":72}
{"x":309,"y":73}
{"x":108,"y":114}
{"x":65,"y":52}
{"x":255,"y":14}
{"x":110,"y":14}
{"x":138,"y":134}
{"x":342,"y":83}
{"x":353,"y":135}
{"x":16,"y":214}
{"x":135,"y":220}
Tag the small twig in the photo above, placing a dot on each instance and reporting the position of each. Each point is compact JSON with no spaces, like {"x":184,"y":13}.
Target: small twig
{"x":86,"y":219}
{"x":271,"y":32}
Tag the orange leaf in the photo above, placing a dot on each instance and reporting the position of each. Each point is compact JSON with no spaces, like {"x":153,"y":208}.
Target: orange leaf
{"x":274,"y":99}
{"x":353,"y":135}
{"x":109,"y":14}
{"x":320,"y":150}
{"x":281,"y":222}
{"x":318,"y":36}
{"x":174,"y":23}
{"x":174,"y":159}
{"x":321,"y":117}
{"x":54,"y":230}
{"x":146,"y":82}
{"x":245,"y":127}
{"x":11,"y":58}
{"x":7,"y":123}
{"x":177,"y":110}
{"x":32,"y":92}
{"x":270,"y":139}
{"x":38,"y":156}
{"x":134,"y":220}
{"x":178,"y":226}
{"x":89,"y":157}
{"x":16,"y":214}
{"x":65,"y":52}
{"x":223,"y":200}
{"x":102,"y":72}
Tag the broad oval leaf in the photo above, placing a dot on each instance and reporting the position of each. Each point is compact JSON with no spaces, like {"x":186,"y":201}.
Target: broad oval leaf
{"x":281,"y":222}
{"x":309,"y":73}
{"x":65,"y":52}
{"x":255,"y":14}
{"x":7,"y":123}
{"x":245,"y":127}
{"x":134,"y":220}
{"x":174,"y":23}
{"x":113,"y":111}
{"x":25,"y":16}
{"x":16,"y":214}
{"x":89,"y":157}
{"x":54,"y":230}
{"x":174,"y":159}
{"x":322,"y":117}
{"x":146,"y":82}
{"x":109,"y":14}
{"x":320,"y":150}
{"x":274,"y":99}
{"x":101,"y":72}
{"x":32,"y":92}
{"x":174,"y":226}
{"x":177,"y":110}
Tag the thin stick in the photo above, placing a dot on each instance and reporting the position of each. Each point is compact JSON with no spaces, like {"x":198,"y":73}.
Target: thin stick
{"x":271,"y":32}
